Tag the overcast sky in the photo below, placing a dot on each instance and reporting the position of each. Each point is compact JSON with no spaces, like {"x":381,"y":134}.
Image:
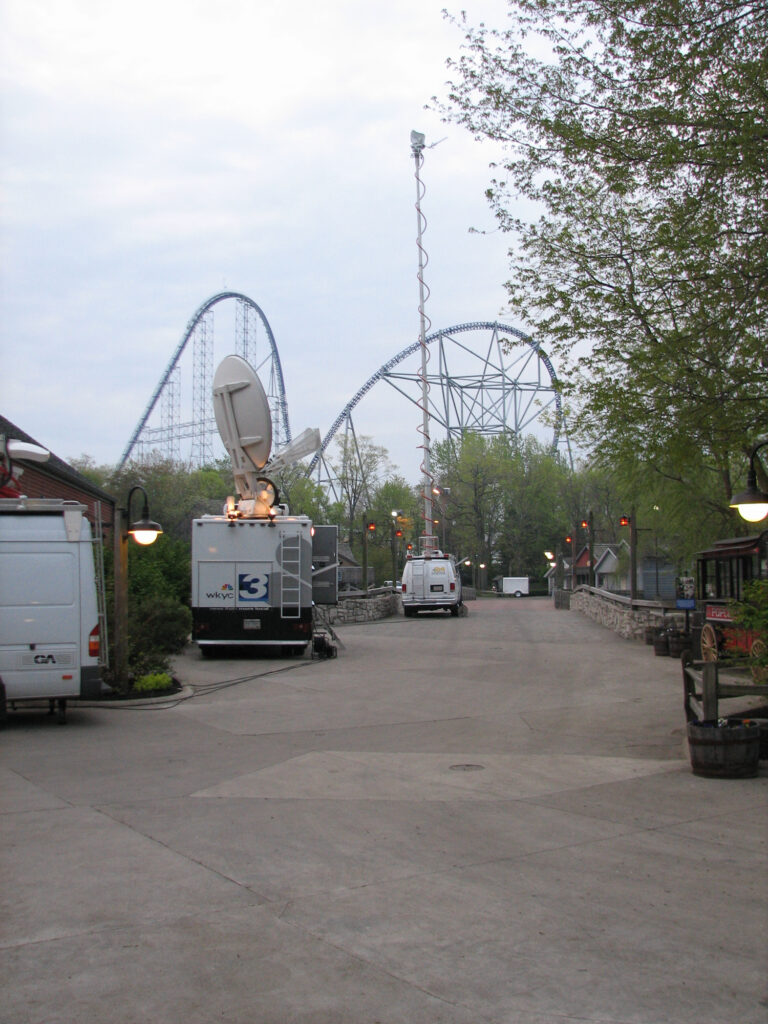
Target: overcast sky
{"x":156,"y":153}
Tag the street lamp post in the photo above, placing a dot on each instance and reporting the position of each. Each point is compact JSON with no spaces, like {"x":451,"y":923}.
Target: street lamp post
{"x":144,"y":531}
{"x":396,"y":532}
{"x":631,"y":522}
{"x":752,"y":504}
{"x":571,"y":539}
{"x":588,"y":524}
{"x":369,"y":526}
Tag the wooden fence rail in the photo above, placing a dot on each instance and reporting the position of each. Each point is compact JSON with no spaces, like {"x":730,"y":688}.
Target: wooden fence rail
{"x":703,"y":688}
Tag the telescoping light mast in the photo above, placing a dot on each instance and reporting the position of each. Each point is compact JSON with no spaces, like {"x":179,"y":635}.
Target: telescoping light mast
{"x":428,"y":540}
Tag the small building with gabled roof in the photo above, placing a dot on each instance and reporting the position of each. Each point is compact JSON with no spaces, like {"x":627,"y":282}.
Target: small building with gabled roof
{"x":51,"y":479}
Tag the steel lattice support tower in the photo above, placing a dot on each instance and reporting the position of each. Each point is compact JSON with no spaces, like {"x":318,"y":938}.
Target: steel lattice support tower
{"x":169,"y":412}
{"x":202,"y":377}
{"x":243,"y":330}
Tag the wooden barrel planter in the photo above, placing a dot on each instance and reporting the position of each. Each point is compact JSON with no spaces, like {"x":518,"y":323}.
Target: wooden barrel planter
{"x":762,"y":725}
{"x":679,"y":641}
{"x":661,"y":643}
{"x":724,"y":750}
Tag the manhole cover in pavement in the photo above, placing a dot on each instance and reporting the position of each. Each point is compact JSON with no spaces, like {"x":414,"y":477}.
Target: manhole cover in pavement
{"x":466,"y":768}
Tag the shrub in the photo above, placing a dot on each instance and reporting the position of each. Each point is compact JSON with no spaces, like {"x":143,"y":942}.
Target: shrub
{"x":752,"y":614}
{"x":158,"y":627}
{"x":154,"y":681}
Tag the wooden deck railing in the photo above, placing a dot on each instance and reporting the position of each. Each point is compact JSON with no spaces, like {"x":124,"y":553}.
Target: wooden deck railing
{"x":706,"y":683}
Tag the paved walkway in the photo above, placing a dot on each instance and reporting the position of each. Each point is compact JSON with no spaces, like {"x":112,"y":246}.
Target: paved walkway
{"x":485,"y":820}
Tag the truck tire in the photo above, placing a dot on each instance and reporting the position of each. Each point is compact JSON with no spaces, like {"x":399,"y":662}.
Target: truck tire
{"x":212,"y":651}
{"x":3,"y":706}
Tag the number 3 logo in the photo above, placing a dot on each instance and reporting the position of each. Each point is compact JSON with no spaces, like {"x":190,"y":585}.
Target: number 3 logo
{"x":253,"y":587}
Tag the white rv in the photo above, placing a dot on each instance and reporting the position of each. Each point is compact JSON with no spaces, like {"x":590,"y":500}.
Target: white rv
{"x":431,"y":582}
{"x":49,"y":616}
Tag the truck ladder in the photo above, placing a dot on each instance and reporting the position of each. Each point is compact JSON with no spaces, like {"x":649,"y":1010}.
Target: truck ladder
{"x":290,"y":590}
{"x":417,"y":579}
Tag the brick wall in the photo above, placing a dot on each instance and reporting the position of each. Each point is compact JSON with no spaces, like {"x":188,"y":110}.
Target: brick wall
{"x":36,"y":483}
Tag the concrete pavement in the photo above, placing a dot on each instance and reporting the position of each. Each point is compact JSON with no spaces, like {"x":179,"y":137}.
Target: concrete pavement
{"x":485,"y":820}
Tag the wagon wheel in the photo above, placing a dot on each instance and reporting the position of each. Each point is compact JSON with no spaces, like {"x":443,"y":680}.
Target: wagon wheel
{"x":709,"y":646}
{"x":757,"y":650}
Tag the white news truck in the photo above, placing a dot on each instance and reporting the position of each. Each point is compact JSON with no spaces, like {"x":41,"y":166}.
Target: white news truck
{"x":256,"y":570}
{"x":49,"y":617}
{"x":431,"y":582}
{"x":254,"y":580}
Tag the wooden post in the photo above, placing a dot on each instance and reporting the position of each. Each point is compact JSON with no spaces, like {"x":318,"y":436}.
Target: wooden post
{"x":709,"y":690}
{"x":120,"y":643}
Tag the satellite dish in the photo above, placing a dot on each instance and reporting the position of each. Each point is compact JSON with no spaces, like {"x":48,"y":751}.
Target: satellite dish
{"x":26,"y":450}
{"x":244,"y":421}
{"x":306,"y":443}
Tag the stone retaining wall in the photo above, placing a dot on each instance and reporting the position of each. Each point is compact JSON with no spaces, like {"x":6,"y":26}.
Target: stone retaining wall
{"x":625,"y":617}
{"x":364,"y":609}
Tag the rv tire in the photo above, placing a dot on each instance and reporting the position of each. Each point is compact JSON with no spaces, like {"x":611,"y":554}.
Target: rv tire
{"x":210,"y":651}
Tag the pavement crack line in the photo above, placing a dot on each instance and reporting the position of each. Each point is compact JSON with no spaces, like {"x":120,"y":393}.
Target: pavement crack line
{"x":261,"y":899}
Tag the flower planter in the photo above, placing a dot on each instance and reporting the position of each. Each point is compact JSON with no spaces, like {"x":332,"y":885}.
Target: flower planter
{"x":679,"y":642}
{"x":724,"y":750}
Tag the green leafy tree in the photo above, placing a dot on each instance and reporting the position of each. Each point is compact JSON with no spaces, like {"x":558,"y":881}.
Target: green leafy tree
{"x":638,"y":129}
{"x":176,"y":493}
{"x":537,"y":486}
{"x":304,"y":496}
{"x":358,"y":466}
{"x":386,"y":551}
{"x":474,"y":470}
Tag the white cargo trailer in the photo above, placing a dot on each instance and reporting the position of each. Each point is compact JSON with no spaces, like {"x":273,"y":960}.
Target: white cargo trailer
{"x":515,"y":586}
{"x":49,"y":612}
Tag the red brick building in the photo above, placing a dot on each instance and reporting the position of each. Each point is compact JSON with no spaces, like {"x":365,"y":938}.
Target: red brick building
{"x":51,"y":479}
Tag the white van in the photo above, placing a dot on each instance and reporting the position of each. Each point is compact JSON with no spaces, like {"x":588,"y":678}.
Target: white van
{"x":431,"y":581}
{"x":49,"y":617}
